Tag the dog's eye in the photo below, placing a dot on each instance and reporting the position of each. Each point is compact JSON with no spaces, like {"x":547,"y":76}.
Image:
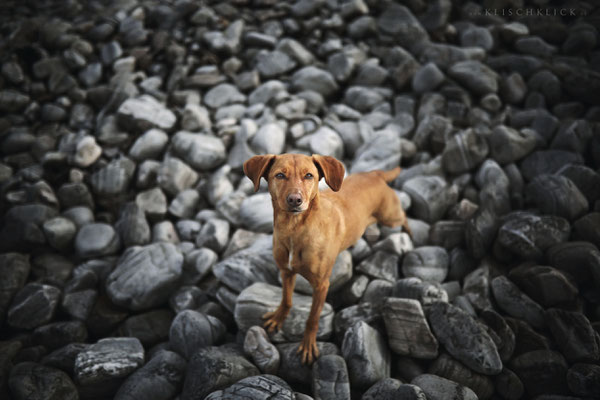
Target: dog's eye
{"x":308,"y":176}
{"x":280,"y":176}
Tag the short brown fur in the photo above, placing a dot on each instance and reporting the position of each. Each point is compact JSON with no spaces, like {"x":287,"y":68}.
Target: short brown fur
{"x":308,"y":236}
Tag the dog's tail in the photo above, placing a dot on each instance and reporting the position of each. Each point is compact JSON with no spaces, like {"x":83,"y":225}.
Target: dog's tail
{"x":390,"y":175}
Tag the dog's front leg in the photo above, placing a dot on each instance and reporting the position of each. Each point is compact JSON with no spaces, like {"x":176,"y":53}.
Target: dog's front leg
{"x":308,"y":347}
{"x":275,"y":318}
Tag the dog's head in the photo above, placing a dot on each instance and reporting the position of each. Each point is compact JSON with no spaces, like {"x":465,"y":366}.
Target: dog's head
{"x":294,"y":178}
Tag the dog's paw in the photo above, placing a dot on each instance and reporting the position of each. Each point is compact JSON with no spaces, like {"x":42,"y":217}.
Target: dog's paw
{"x":308,"y":349}
{"x":274,"y":319}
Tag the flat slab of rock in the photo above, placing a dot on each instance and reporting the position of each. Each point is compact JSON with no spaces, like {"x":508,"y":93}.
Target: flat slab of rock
{"x":260,"y":298}
{"x":145,"y":276}
{"x":107,"y":359}
{"x":367,"y":355}
{"x":464,"y":338}
{"x":408,"y":330}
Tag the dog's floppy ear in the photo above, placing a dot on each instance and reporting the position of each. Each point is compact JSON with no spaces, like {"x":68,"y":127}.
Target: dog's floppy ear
{"x":331,"y":169}
{"x":258,"y":167}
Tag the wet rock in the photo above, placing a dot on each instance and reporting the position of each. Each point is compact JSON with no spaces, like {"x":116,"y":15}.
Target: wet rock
{"x":215,"y":368}
{"x":256,"y":387}
{"x":96,"y":240}
{"x":429,"y":263}
{"x":145,"y":112}
{"x":30,"y":381}
{"x":367,"y":355}
{"x":159,"y":378}
{"x":260,"y":298}
{"x":542,"y":372}
{"x":330,"y":378}
{"x":437,"y":388}
{"x":407,"y":329}
{"x":161,"y":264}
{"x":574,"y":334}
{"x":262,"y":352}
{"x":33,"y":305}
{"x":464,"y":338}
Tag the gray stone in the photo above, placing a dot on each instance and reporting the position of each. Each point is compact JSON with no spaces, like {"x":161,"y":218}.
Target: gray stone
{"x":269,"y":139}
{"x":159,"y":378}
{"x":87,"y":152}
{"x":153,"y":202}
{"x":222,"y":95}
{"x":547,"y":162}
{"x":541,"y":371}
{"x":516,"y":303}
{"x":274,"y":63}
{"x":59,"y":232}
{"x":195,"y":118}
{"x":579,"y":260}
{"x":150,"y":145}
{"x":185,"y":203}
{"x":33,"y":305}
{"x":382,"y":265}
{"x":574,"y":335}
{"x":203,"y":152}
{"x":381,"y":151}
{"x":292,"y":369}
{"x":556,"y":195}
{"x":31,"y":381}
{"x":261,"y":351}
{"x":256,"y":213}
{"x":430,"y":197}
{"x":145,"y":112}
{"x":227,"y":42}
{"x":261,"y":387}
{"x":12,"y":101}
{"x":390,"y":389}
{"x":214,"y":235}
{"x":108,"y":359}
{"x":464,"y":151}
{"x":295,"y":50}
{"x":96,"y":240}
{"x":149,"y":328}
{"x":407,"y":329}
{"x":508,"y":385}
{"x":215,"y":368}
{"x":545,"y":285}
{"x":367,"y":355}
{"x":192,"y":330}
{"x":161,"y":264}
{"x":14,"y":268}
{"x":398,"y":21}
{"x":447,"y":367}
{"x":475,"y":75}
{"x":114,"y":179}
{"x":438,"y":388}
{"x":330,"y":378}
{"x":464,"y":338}
{"x":508,"y":145}
{"x":477,"y":36}
{"x":427,"y":78}
{"x":584,"y":380}
{"x":174,"y":176}
{"x":429,"y":263}
{"x":316,"y":79}
{"x":260,"y":298}
{"x":132,"y":226}
{"x":535,"y":46}
{"x":362,"y":98}
{"x":426,"y":293}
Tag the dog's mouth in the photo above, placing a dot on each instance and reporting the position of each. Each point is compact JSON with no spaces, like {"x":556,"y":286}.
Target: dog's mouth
{"x":295,"y":210}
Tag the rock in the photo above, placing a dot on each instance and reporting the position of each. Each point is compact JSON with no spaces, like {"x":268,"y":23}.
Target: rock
{"x":426,"y":293}
{"x":107,"y":360}
{"x":429,"y":263}
{"x":316,"y":79}
{"x":150,"y":145}
{"x":59,"y":232}
{"x":574,"y":334}
{"x":438,"y":388}
{"x":260,"y":298}
{"x":580,"y":260}
{"x":382,"y":265}
{"x":97,"y":240}
{"x":174,"y":176}
{"x":541,"y":371}
{"x":30,"y":381}
{"x":214,"y":235}
{"x":12,"y":101}
{"x":464,"y":151}
{"x":145,"y":112}
{"x":330,"y":378}
{"x":64,"y":358}
{"x":390,"y":388}
{"x":430,"y":197}
{"x":132,"y":226}
{"x":476,"y":36}
{"x":59,"y":334}
{"x":399,"y":22}
{"x":247,"y":266}
{"x":161,"y":264}
{"x":382,"y":151}
{"x":269,"y":139}
{"x":584,"y":380}
{"x":585,"y":228}
{"x":114,"y":179}
{"x":516,"y":303}
{"x":203,"y":152}
{"x":256,"y":213}
{"x":586,"y":180}
{"x":274,"y":63}
{"x":33,"y":305}
{"x":545,"y":285}
{"x":262,"y":352}
{"x":503,"y":335}
{"x":222,"y":95}
{"x":159,"y":378}
{"x":292,"y":369}
{"x":464,"y":338}
{"x":185,"y":203}
{"x":508,"y":385}
{"x":556,"y":195}
{"x":367,"y":355}
{"x":327,"y":142}
{"x":215,"y":368}
{"x":192,"y":330}
{"x":529,"y":236}
{"x":149,"y":328}
{"x":362,"y":98}
{"x":195,"y":118}
{"x":87,"y":152}
{"x":14,"y":269}
{"x":407,"y":329}
{"x":427,"y":78}
{"x":509,"y":145}
{"x":256,"y":387}
{"x":476,"y":76}
{"x":547,"y":162}
{"x":449,"y":368}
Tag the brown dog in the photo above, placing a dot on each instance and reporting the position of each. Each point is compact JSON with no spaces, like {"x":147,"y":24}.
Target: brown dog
{"x":311,"y":228}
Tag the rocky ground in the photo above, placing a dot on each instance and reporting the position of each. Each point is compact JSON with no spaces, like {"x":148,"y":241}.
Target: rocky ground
{"x":136,"y":259}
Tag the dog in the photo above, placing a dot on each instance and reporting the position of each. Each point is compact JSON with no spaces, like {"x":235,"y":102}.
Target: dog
{"x":310,"y":228}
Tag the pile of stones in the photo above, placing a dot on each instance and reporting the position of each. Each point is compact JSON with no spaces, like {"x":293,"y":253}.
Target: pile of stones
{"x":135,"y":257}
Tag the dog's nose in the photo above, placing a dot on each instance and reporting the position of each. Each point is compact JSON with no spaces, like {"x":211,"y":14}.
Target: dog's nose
{"x":294,"y":200}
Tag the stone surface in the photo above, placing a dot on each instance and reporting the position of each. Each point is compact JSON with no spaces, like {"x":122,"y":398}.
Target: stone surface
{"x":330,"y":378}
{"x":192,"y":330}
{"x":367,"y":355}
{"x":438,"y":388}
{"x":33,"y":305}
{"x":256,"y":387}
{"x":429,"y":263}
{"x":33,"y":381}
{"x":262,"y":352}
